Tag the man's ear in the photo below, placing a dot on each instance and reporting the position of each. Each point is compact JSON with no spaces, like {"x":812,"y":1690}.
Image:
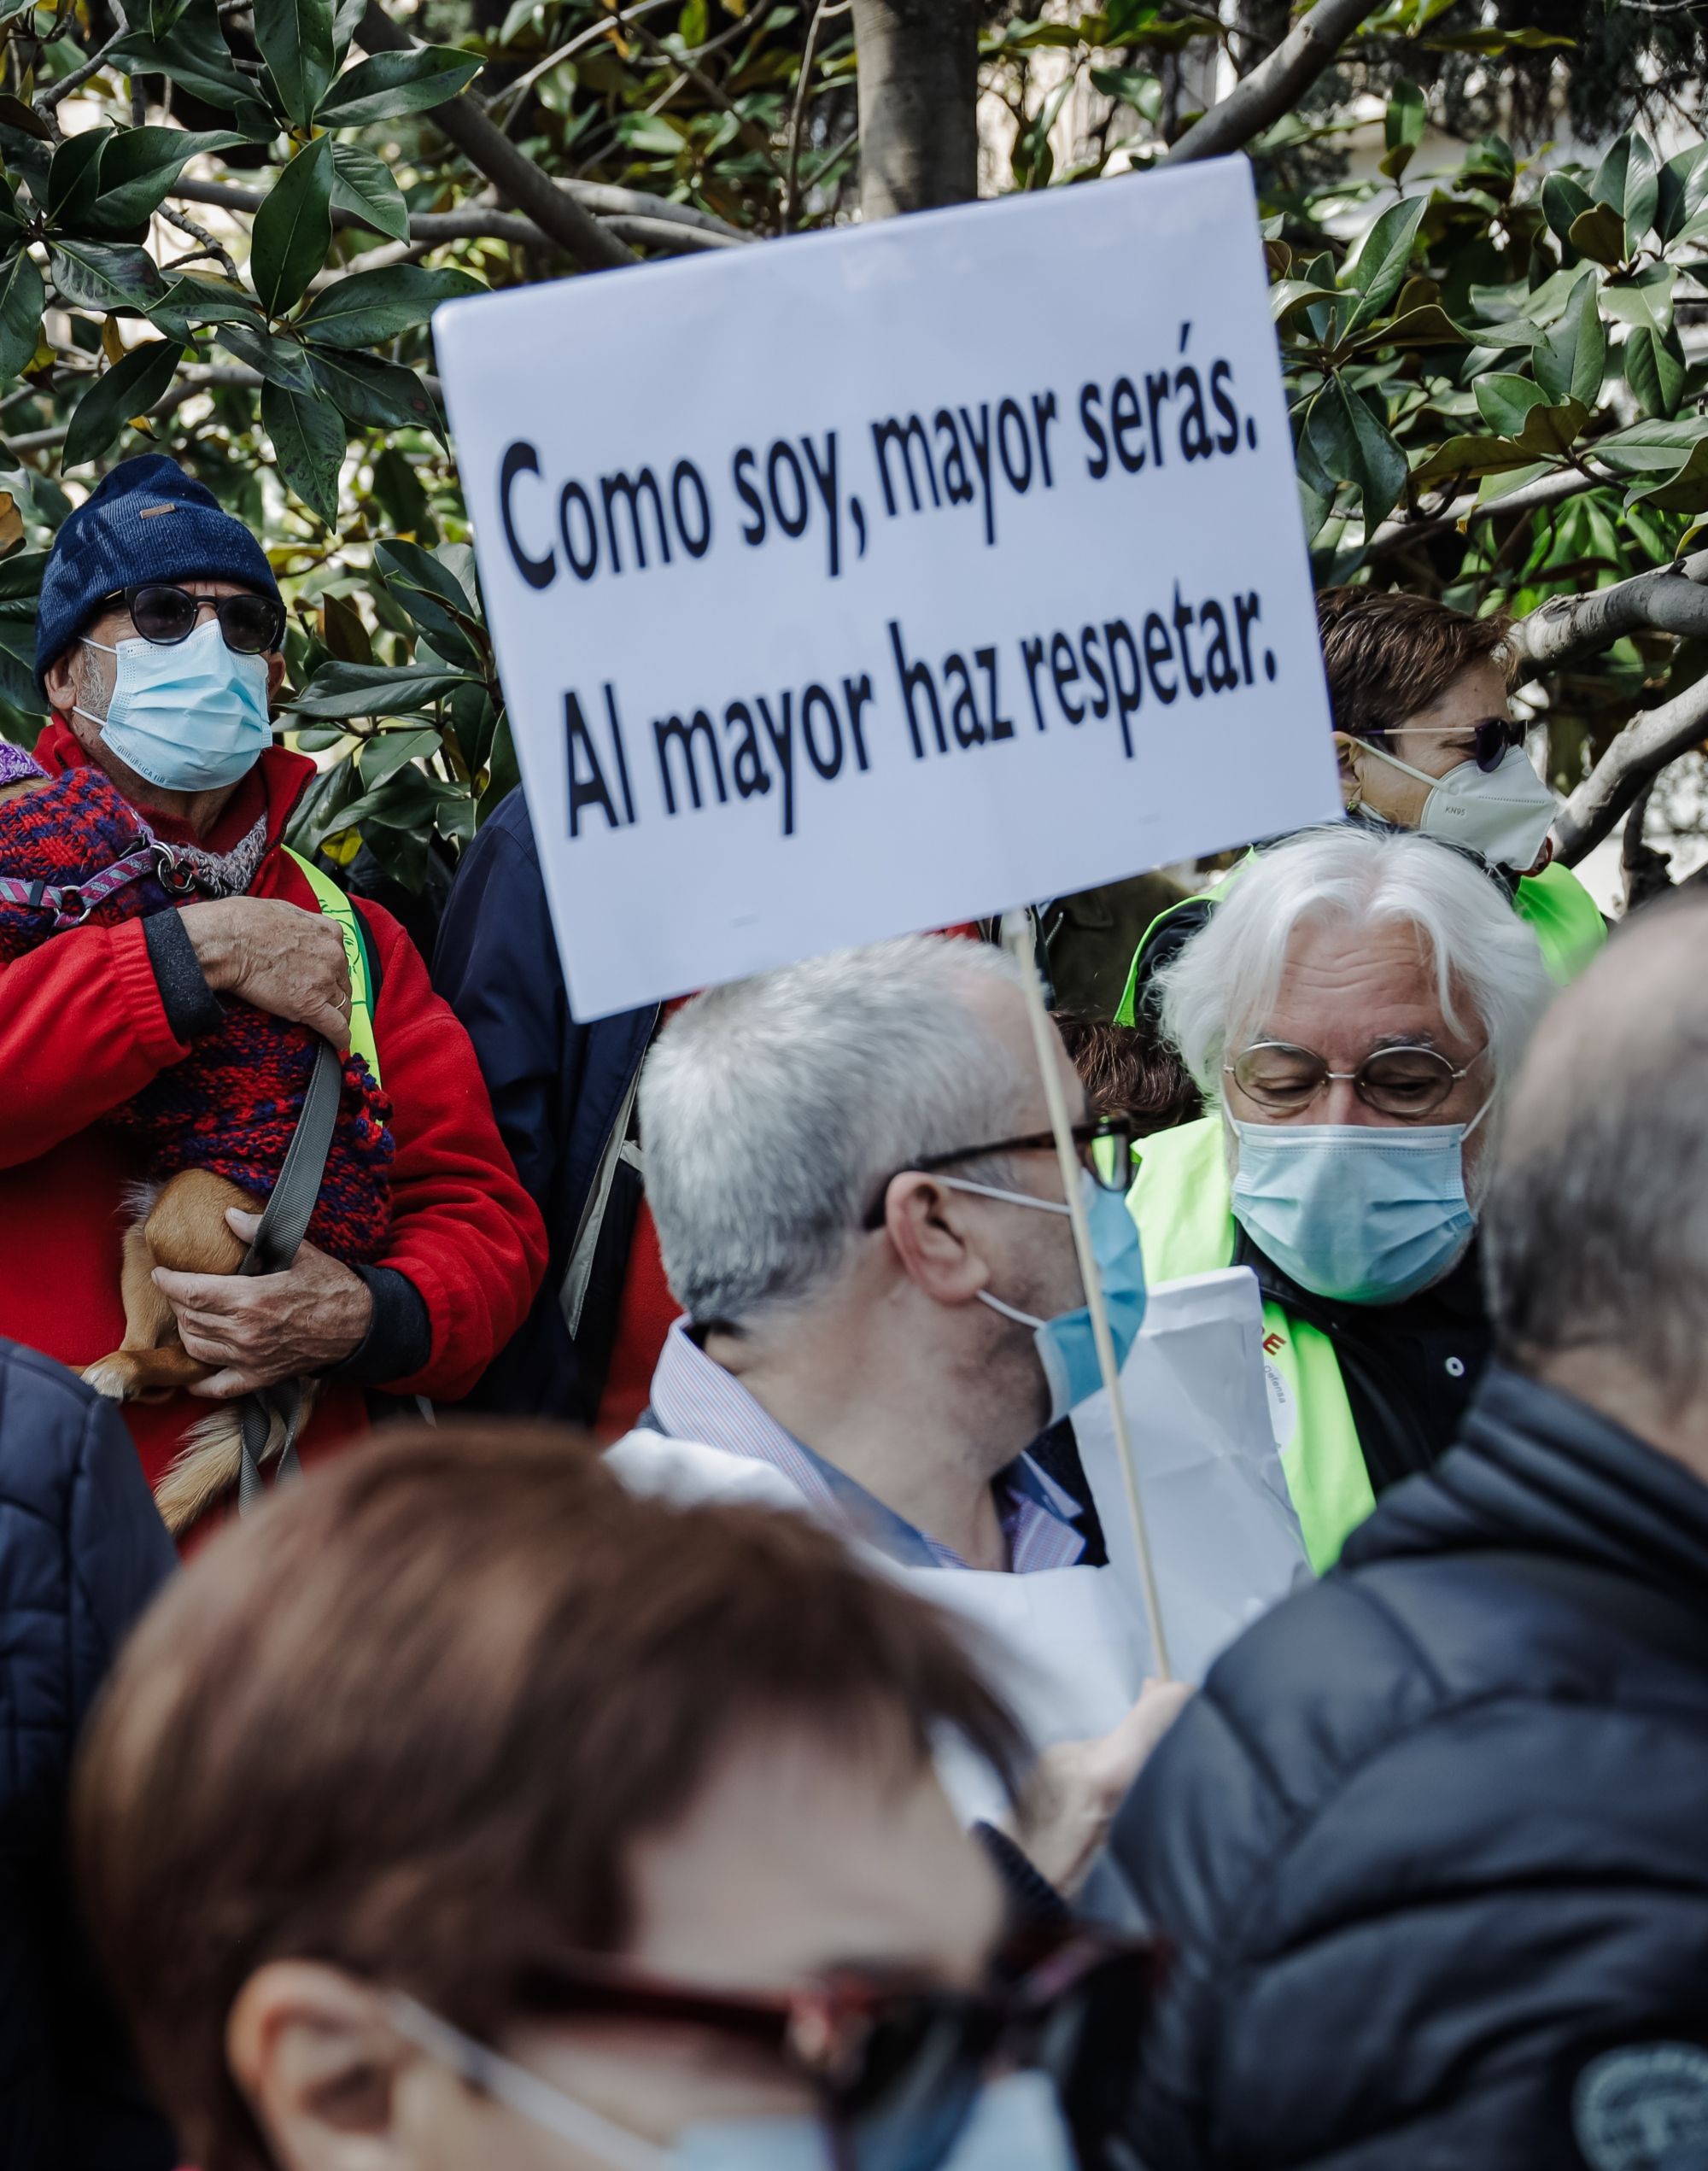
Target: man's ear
{"x":60,"y":679}
{"x":317,"y":2063}
{"x":1349,"y":758}
{"x":275,"y":674}
{"x":928,"y":1225}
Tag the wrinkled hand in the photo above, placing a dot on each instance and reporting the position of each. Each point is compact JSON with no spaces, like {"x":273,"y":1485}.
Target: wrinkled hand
{"x":285,"y":961}
{"x":263,"y":1328}
{"x":1077,"y":1786}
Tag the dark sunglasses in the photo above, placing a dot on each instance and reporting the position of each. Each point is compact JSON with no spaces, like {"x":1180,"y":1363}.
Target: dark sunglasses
{"x":1395,"y":1081}
{"x":251,"y":624}
{"x":895,"y":2068}
{"x":1104,"y":1146}
{"x":1492,"y":738}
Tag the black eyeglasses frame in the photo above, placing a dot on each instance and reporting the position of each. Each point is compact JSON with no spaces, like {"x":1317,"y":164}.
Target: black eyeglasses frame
{"x":225,"y":609}
{"x":1120,"y":1127}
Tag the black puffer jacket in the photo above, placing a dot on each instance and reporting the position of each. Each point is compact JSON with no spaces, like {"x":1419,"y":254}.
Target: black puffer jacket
{"x":1434,"y":1838}
{"x":82,"y":1551}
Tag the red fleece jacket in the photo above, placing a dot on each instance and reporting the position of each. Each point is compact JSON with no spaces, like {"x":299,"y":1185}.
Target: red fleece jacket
{"x":83,"y":1028}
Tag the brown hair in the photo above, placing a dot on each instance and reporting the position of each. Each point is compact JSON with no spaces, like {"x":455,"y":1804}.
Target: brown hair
{"x":1128,"y":1070}
{"x":412,"y":1718}
{"x":1390,"y":655}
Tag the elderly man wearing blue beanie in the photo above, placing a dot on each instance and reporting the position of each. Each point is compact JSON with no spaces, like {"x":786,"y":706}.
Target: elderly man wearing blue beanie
{"x":159,"y":648}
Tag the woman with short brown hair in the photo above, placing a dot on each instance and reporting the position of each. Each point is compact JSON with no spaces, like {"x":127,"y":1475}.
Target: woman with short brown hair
{"x":461,"y":1809}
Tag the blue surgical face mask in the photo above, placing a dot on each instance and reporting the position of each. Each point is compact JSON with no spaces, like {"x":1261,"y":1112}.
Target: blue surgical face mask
{"x":1015,"y":2124}
{"x":1364,"y":1213}
{"x":1067,"y":1348}
{"x":191,"y":718}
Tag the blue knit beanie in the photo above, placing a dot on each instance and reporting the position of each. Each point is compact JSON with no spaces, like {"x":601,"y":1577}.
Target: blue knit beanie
{"x":148,"y":521}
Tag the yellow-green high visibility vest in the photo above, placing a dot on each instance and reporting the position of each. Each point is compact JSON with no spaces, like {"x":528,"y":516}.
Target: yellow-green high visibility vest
{"x":1564,"y":918}
{"x":1182,"y":1200}
{"x":336,"y":906}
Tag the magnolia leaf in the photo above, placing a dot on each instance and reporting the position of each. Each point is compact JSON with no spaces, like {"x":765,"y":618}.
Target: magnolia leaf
{"x":196,"y":298}
{"x":130,"y":387}
{"x":1598,"y":234}
{"x":386,"y":84}
{"x":1353,"y":446}
{"x":307,"y":434}
{"x":1427,"y":325}
{"x":1650,"y":448}
{"x":1402,"y":127}
{"x":293,"y":229}
{"x":368,"y":307}
{"x":1377,"y":272}
{"x":1644,"y":302}
{"x":362,"y":185}
{"x":194,"y":55}
{"x":21,"y":297}
{"x":1682,"y":187}
{"x":104,"y":275}
{"x":1563,"y":201}
{"x":1685,"y":490}
{"x":1572,"y":360}
{"x":1655,"y":370}
{"x":1504,"y":401}
{"x":282,"y":362}
{"x":18,"y":112}
{"x":74,"y":175}
{"x":295,"y":38}
{"x":1288,"y":294}
{"x":374,"y":689}
{"x":139,"y":167}
{"x":376,"y":393}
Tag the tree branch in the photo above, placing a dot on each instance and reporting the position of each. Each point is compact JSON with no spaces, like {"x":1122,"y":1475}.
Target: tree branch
{"x":1529,"y":497}
{"x":1274,"y":85}
{"x":1669,"y":600}
{"x":1644,"y":746}
{"x":490,"y":152}
{"x":482,"y":222}
{"x":48,"y":99}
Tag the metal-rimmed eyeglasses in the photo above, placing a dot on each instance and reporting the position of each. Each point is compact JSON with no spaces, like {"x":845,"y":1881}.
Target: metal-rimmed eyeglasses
{"x":1406,"y":1081}
{"x":1104,"y":1145}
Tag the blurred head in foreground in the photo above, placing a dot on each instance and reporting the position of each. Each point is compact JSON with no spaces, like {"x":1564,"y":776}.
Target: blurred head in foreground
{"x":461,"y":1810}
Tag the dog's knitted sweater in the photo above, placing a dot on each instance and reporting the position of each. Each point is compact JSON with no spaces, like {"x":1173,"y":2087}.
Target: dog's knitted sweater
{"x":231,"y":1104}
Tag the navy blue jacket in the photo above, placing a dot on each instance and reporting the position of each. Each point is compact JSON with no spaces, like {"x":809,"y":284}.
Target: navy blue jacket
{"x":559,"y":1090}
{"x":82,"y":1551}
{"x":1432,"y":1842}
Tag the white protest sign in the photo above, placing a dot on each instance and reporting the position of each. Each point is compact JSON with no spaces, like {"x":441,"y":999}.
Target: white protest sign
{"x":867,"y":581}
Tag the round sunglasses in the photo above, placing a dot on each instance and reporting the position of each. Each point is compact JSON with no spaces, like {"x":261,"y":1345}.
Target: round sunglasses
{"x":166,"y":615}
{"x":1404,"y":1082}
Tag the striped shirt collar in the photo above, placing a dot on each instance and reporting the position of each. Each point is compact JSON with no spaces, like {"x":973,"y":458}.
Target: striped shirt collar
{"x":695,"y":1399}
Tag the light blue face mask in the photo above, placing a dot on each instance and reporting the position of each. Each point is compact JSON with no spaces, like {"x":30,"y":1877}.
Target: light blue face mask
{"x":1015,"y":2125}
{"x":1364,"y":1213}
{"x":1067,"y":1348}
{"x":191,"y":718}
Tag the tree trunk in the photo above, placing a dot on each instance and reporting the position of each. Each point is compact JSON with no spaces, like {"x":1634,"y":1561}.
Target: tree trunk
{"x":919,"y":91}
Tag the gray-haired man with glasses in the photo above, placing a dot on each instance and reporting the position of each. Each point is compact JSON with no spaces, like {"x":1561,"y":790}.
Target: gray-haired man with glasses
{"x":860,"y":1207}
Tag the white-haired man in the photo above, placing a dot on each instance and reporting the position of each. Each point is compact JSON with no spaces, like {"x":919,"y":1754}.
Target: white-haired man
{"x":1350,"y":1016}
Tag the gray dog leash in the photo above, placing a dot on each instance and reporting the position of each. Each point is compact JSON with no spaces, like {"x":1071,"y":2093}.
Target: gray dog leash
{"x":283,"y":1224}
